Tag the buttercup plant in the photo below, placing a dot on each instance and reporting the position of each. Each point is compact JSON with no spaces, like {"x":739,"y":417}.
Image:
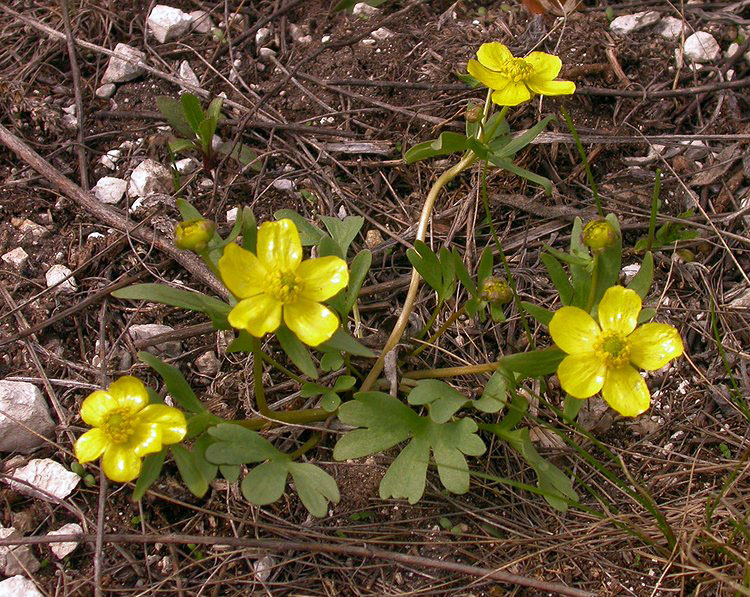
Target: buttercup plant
{"x":278,"y":298}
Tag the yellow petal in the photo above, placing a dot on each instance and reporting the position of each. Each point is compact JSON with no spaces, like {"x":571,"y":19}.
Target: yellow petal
{"x":279,"y":246}
{"x":312,"y":322}
{"x":120,"y":464}
{"x":626,"y":391}
{"x":653,"y":345}
{"x":146,"y":439}
{"x":494,"y":55}
{"x":258,"y":315}
{"x":619,"y":309}
{"x":97,"y":406}
{"x":581,"y":375}
{"x":170,"y":420}
{"x":552,"y":87}
{"x":242,"y":272}
{"x":573,"y":330}
{"x":487,"y":77}
{"x":130,"y":393}
{"x":546,"y":66}
{"x":323,"y":277}
{"x":511,"y":95}
{"x":90,"y":445}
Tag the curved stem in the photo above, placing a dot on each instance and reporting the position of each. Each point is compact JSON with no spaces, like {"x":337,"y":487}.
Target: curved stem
{"x":260,"y":394}
{"x":306,"y":447}
{"x":294,"y":417}
{"x":594,"y":283}
{"x":274,"y":363}
{"x":452,"y":371}
{"x":448,"y":322}
{"x":411,"y":295}
{"x":430,"y":322}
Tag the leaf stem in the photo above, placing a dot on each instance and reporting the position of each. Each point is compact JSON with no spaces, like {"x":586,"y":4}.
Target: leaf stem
{"x":430,"y":321}
{"x":594,"y":283}
{"x":294,"y":417}
{"x":274,"y":363}
{"x":448,"y":322}
{"x":452,"y":371}
{"x":260,"y":394}
{"x":306,"y":447}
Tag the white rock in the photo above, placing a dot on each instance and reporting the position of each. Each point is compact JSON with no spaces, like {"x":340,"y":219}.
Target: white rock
{"x":25,"y":404}
{"x":701,"y":47}
{"x":18,"y":586}
{"x":95,"y":236}
{"x":266,"y":54}
{"x":106,"y":91}
{"x":305,"y":39}
{"x":58,"y":276}
{"x":201,"y":21}
{"x":625,"y":24}
{"x":325,"y":39}
{"x":110,"y":190}
{"x":232,"y":215}
{"x":16,"y":559}
{"x":629,"y":272}
{"x":31,"y":229}
{"x":671,"y":27}
{"x":263,"y":567}
{"x":284,"y":185}
{"x":109,"y":160}
{"x":167,"y":23}
{"x":262,"y":37}
{"x":126,"y":68}
{"x":64,"y":548}
{"x":51,"y":477}
{"x":206,"y":183}
{"x":294,"y":32}
{"x":16,"y":258}
{"x":362,"y":9}
{"x":382,"y":34}
{"x":186,"y":165}
{"x":216,"y":142}
{"x":368,"y":41}
{"x":208,"y":363}
{"x":149,"y":330}
{"x":149,"y":177}
{"x":136,"y":205}
{"x":187,"y":74}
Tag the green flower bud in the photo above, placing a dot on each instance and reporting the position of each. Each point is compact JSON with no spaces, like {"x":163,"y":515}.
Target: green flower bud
{"x":474,"y":113}
{"x":496,"y":291}
{"x":599,"y":235}
{"x":194,"y":235}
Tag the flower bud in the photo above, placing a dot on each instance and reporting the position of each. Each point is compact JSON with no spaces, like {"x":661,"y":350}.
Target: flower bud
{"x":496,"y":291}
{"x":599,"y":235}
{"x":474,"y":113}
{"x":194,"y":235}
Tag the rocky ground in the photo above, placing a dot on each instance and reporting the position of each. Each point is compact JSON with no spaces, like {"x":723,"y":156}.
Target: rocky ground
{"x":328,"y":101}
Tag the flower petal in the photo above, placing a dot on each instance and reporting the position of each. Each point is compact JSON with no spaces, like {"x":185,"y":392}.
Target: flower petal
{"x":546,"y":66}
{"x":242,"y":272}
{"x":146,"y":438}
{"x":494,"y":55}
{"x":312,"y":322}
{"x":97,"y":406}
{"x":120,"y":464}
{"x":574,"y":330}
{"x":129,"y":392}
{"x":323,"y":277}
{"x":653,"y":345}
{"x":90,"y":445}
{"x":619,"y":309}
{"x":511,"y":95}
{"x":626,"y":391}
{"x":487,"y":77}
{"x":552,"y":87}
{"x":170,"y":420}
{"x":258,"y":315}
{"x":581,"y":375}
{"x":279,"y":246}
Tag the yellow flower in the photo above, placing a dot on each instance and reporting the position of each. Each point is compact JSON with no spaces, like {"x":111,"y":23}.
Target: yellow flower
{"x":194,"y":235}
{"x":516,"y":80}
{"x":278,"y":283}
{"x":126,"y":428}
{"x":599,"y":235}
{"x":602,"y":356}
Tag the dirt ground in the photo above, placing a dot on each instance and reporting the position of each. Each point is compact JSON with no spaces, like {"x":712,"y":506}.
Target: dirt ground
{"x":687,"y":457}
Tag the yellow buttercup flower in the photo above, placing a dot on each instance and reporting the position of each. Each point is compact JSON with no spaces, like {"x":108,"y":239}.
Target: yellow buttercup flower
{"x":515,"y":80}
{"x":126,"y":428}
{"x":276,"y":283}
{"x":603,"y":356}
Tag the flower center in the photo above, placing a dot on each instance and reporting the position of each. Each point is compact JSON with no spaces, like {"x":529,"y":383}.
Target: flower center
{"x":516,"y":69}
{"x":119,"y":426}
{"x":285,"y":286}
{"x":614,"y":349}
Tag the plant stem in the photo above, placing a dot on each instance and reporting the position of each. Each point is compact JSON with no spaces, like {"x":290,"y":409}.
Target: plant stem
{"x":430,"y":321}
{"x":274,"y":363}
{"x":306,"y":447}
{"x":448,"y":322}
{"x":594,"y":283}
{"x":294,"y":417}
{"x":584,"y":159}
{"x":411,"y":295}
{"x":452,"y":371}
{"x":260,"y":394}
{"x":654,"y":210}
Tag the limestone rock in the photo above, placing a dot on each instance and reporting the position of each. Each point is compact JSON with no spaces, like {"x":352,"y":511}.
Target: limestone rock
{"x":30,"y":229}
{"x":16,"y":258}
{"x":149,"y":330}
{"x":262,"y":37}
{"x":110,"y":190}
{"x":166,"y":23}
{"x":671,"y":27}
{"x":59,"y":277}
{"x":186,"y":165}
{"x":625,"y":24}
{"x":208,"y":363}
{"x":120,"y":70}
{"x":64,"y":548}
{"x":382,"y":34}
{"x":51,"y":477}
{"x":106,"y":91}
{"x":16,"y":559}
{"x":148,"y":178}
{"x":362,"y":9}
{"x":201,"y":21}
{"x":187,"y":74}
{"x":109,"y":160}
{"x":24,"y":402}
{"x":18,"y":586}
{"x":701,"y":47}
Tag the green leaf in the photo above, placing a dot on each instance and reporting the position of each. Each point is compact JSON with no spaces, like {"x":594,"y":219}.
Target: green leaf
{"x":485,"y":267}
{"x":463,"y":274}
{"x":580,"y":274}
{"x":535,"y":363}
{"x":641,"y":282}
{"x":331,"y":361}
{"x":315,"y":487}
{"x":446,"y":144}
{"x":571,"y":407}
{"x":231,"y":472}
{"x":540,"y":314}
{"x":296,"y":351}
{"x":559,"y":278}
{"x":189,"y":471}
{"x":468,"y":79}
{"x":518,"y":143}
{"x":236,"y":445}
{"x":207,"y":469}
{"x":443,"y":400}
{"x":249,"y":230}
{"x":344,"y":383}
{"x":150,"y":471}
{"x":176,"y":297}
{"x":407,"y":475}
{"x":609,"y":262}
{"x":265,"y":483}
{"x":214,"y":108}
{"x":343,"y":232}
{"x":342,"y":341}
{"x":177,"y":385}
{"x":495,"y":393}
{"x":646,"y":315}
{"x":427,"y":265}
{"x":242,"y":343}
{"x":191,"y":108}
{"x":327,"y":246}
{"x":309,"y":234}
{"x":206,"y":130}
{"x":506,"y":164}
{"x":240,"y":153}
{"x":172,"y":111}
{"x":330,"y":402}
{"x":177,"y":145}
{"x":360,"y":265}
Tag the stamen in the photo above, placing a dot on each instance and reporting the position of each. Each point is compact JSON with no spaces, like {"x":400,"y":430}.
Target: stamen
{"x":516,"y":69}
{"x":119,"y":426}
{"x":285,"y":286}
{"x":613,"y":349}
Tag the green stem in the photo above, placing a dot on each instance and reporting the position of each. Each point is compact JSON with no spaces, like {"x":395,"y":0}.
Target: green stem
{"x":430,"y":322}
{"x":594,"y":283}
{"x":452,"y":371}
{"x":306,"y":447}
{"x":260,"y":394}
{"x":274,"y":363}
{"x":448,"y":322}
{"x":293,"y":417}
{"x":584,"y":159}
{"x":487,"y":135}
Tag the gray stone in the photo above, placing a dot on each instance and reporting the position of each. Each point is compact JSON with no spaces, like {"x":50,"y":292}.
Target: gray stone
{"x":188,"y":75}
{"x":201,"y":21}
{"x":266,"y":54}
{"x":18,"y":586}
{"x":701,"y":47}
{"x":166,"y":23}
{"x":671,"y":27}
{"x":65,"y":548}
{"x":16,"y":258}
{"x":50,"y":477}
{"x":106,"y":91}
{"x":16,"y":559}
{"x":284,"y":184}
{"x":262,"y":37}
{"x":110,"y":190}
{"x":625,"y":24}
{"x":149,"y":177}
{"x":304,"y":39}
{"x":109,"y":160}
{"x":232,"y":215}
{"x":362,"y":9}
{"x":186,"y":165}
{"x":59,"y":277}
{"x":382,"y":34}
{"x":208,"y":363}
{"x":25,"y":404}
{"x":149,"y":330}
{"x":29,"y":228}
{"x":126,"y":67}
